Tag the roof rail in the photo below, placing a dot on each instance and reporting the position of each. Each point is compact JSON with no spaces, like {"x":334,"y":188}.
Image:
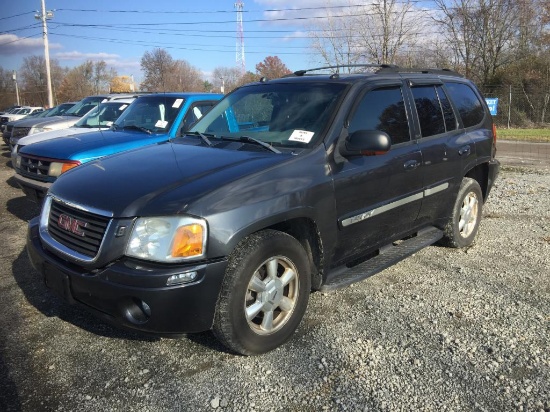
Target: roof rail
{"x":378,"y":66}
{"x":395,"y":69}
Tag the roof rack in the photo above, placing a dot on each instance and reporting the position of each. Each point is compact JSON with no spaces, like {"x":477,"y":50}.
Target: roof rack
{"x":382,"y":68}
{"x":395,"y":69}
{"x":378,"y":66}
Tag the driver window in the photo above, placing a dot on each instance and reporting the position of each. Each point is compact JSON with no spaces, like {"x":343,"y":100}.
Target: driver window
{"x":382,"y":109}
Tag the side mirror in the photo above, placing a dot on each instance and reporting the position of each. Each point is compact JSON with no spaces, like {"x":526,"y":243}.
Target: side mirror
{"x":366,"y":143}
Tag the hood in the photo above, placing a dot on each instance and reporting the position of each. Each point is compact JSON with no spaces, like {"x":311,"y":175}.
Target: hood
{"x":54,"y":134}
{"x":89,"y":146}
{"x":163,"y":179}
{"x":37,"y":121}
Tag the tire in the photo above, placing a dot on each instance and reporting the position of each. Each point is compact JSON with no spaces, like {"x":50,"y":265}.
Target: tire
{"x":464,"y":222}
{"x":264,"y":293}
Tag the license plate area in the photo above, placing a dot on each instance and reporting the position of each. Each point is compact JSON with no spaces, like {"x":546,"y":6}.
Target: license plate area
{"x":58,"y":282}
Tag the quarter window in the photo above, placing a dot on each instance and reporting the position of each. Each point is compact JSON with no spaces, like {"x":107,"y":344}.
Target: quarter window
{"x":384,"y":110}
{"x":467,"y":103}
{"x":448,"y":114}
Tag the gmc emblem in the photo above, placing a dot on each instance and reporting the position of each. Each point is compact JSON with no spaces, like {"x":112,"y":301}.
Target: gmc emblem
{"x":71,"y":224}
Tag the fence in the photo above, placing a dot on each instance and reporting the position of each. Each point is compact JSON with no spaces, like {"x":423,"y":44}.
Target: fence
{"x":519,"y":107}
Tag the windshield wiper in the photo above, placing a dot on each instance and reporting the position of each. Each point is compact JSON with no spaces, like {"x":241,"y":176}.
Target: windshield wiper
{"x":202,"y":136}
{"x":249,"y":139}
{"x":134,"y":127}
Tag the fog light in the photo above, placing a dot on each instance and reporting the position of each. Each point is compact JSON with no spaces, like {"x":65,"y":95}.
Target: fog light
{"x":146,"y":308}
{"x":181,"y":278}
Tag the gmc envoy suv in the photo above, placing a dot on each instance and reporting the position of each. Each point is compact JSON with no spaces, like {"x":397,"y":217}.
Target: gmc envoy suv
{"x":308,"y":182}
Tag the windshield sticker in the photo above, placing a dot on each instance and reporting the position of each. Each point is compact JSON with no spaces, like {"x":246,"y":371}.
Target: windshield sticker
{"x":161,"y":123}
{"x":302,"y":136}
{"x":177,"y":103}
{"x":124,"y":106}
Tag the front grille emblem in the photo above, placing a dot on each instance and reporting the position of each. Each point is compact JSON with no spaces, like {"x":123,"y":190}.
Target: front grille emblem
{"x":71,"y":224}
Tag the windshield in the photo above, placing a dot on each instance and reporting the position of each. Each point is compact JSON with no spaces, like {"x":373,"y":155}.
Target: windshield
{"x":103,"y":115}
{"x":280,"y":114}
{"x":84,"y":106}
{"x":59,"y":110}
{"x":154,"y":114}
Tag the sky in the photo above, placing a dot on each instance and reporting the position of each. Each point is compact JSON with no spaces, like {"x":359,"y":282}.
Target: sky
{"x":202,"y":33}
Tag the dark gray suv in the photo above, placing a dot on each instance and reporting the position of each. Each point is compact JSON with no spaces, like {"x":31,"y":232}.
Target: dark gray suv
{"x":312,"y":181}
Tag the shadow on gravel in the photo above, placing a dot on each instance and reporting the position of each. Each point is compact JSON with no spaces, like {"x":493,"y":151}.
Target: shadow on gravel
{"x":23,"y":208}
{"x":9,"y":396}
{"x":36,"y":293}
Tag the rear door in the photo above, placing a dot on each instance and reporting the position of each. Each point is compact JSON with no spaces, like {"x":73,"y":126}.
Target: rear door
{"x":378,"y":197}
{"x":444,"y":145}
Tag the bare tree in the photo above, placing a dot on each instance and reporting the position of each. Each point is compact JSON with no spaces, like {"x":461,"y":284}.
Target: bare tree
{"x":379,"y":32}
{"x":87,"y":79}
{"x":33,"y":85}
{"x":158,"y":67}
{"x":7,"y":89}
{"x":335,"y":39}
{"x":482,"y":34}
{"x":188,"y":78}
{"x":163,"y":73}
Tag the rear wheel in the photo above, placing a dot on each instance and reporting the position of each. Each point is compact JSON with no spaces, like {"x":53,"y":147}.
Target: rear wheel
{"x":463,"y":225}
{"x":265,"y":293}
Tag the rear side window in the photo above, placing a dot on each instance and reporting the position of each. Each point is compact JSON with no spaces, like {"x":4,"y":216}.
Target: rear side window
{"x":467,"y":103}
{"x":435,"y":113}
{"x":429,"y":110}
{"x":384,"y":110}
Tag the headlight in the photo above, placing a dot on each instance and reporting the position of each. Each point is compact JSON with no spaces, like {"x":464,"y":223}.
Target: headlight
{"x":168,"y":239}
{"x":57,"y":168}
{"x":35,"y":130}
{"x":18,"y":162}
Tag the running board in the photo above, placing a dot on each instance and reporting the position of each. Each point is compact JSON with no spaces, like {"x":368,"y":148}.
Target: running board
{"x":388,"y":256}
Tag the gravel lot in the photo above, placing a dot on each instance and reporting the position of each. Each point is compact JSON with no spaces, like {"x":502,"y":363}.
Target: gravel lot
{"x":456,"y":330}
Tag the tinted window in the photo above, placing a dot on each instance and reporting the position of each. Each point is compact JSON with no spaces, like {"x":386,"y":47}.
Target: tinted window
{"x":429,"y":110}
{"x":195,"y":113}
{"x":384,"y":110}
{"x":467,"y":103}
{"x":448,"y":114}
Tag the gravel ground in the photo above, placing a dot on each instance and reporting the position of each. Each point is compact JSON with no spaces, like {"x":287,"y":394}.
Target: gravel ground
{"x":455,"y":330}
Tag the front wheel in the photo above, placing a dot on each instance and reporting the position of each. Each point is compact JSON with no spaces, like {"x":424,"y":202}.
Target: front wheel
{"x":264,"y":294}
{"x":464,"y":222}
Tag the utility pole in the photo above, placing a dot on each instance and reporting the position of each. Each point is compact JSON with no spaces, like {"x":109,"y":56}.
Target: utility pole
{"x":14,"y":77}
{"x":46,"y":16}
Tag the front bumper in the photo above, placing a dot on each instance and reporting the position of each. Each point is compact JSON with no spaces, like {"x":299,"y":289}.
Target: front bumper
{"x":34,"y":189}
{"x":133,"y":294}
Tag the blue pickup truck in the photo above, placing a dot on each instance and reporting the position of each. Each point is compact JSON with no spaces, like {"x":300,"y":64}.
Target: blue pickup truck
{"x":150,"y":119}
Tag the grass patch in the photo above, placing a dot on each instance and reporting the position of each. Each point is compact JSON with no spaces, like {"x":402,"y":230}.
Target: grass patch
{"x":530,"y":135}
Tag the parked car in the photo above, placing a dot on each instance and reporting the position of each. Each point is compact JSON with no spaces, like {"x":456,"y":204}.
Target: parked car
{"x":70,"y":117}
{"x":101,"y":117}
{"x":299,"y":183}
{"x":17,"y":114}
{"x":152,"y":118}
{"x":23,"y":126}
{"x":9,"y":109}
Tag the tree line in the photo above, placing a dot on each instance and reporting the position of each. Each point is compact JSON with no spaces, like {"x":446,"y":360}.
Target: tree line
{"x":162,"y":73}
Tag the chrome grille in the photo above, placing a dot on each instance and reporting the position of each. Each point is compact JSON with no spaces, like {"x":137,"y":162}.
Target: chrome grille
{"x":91,"y":228}
{"x":19,"y":131}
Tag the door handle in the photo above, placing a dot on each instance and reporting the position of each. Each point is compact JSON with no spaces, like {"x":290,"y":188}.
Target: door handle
{"x":464,"y":151}
{"x":410,"y":164}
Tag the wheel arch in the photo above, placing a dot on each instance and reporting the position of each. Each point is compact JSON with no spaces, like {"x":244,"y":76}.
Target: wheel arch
{"x":302,"y":228}
{"x":480,"y":173}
